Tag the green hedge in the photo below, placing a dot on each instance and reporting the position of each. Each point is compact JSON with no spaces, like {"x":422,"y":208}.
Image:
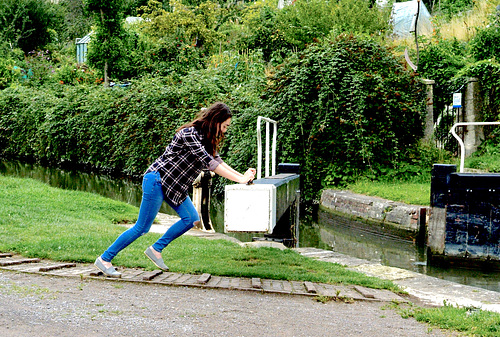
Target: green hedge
{"x":346,"y":107}
{"x":343,"y":107}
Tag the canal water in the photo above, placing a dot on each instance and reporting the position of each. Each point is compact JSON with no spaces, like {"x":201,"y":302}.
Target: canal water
{"x":321,"y":230}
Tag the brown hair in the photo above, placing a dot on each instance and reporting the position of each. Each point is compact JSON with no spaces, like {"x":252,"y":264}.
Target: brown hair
{"x":208,"y":122}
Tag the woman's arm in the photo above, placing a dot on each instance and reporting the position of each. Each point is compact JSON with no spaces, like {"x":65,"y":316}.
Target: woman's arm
{"x":231,"y":169}
{"x":226,"y":171}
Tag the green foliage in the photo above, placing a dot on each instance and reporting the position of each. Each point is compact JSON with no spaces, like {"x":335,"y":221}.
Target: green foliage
{"x":450,"y":8}
{"x":108,"y":43}
{"x":360,"y":16}
{"x":486,"y":43}
{"x":193,"y":26}
{"x":469,"y":320}
{"x":44,"y":67}
{"x":168,"y":56}
{"x":308,"y":21}
{"x":344,"y":107}
{"x":440,"y":60}
{"x":26,"y":24}
{"x":131,"y":7}
{"x":487,"y":159}
{"x":39,"y":66}
{"x":77,"y":20}
{"x":7,"y":72}
{"x":262,"y":31}
{"x":116,"y":128}
{"x":341,"y":106}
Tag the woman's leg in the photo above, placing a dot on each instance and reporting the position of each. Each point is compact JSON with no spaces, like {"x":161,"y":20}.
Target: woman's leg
{"x":188,"y":214}
{"x":152,"y":198}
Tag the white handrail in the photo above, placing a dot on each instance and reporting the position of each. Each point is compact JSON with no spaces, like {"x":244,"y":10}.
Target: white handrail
{"x":460,"y":141}
{"x":259,"y":146}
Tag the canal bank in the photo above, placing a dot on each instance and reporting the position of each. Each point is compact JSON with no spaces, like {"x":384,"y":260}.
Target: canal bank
{"x":426,"y":289}
{"x":422,"y":289}
{"x":321,"y":229}
{"x":404,"y":220}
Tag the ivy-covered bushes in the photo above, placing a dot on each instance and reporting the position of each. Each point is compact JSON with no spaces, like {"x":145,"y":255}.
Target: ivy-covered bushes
{"x":115,"y":128}
{"x":345,"y":107}
{"x":104,"y":128}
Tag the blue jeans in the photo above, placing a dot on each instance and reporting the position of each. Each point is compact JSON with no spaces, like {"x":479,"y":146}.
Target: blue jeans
{"x":152,"y":198}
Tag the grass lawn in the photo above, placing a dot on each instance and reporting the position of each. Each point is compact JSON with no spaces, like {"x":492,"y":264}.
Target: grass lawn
{"x":414,"y":193}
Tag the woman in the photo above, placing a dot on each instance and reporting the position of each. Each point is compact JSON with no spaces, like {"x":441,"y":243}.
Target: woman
{"x":195,"y":146}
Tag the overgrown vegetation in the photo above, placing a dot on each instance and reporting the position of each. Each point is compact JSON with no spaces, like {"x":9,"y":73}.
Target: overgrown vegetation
{"x":347,"y":105}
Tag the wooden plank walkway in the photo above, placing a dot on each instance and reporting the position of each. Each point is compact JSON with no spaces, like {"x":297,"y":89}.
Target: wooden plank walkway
{"x":337,"y":292}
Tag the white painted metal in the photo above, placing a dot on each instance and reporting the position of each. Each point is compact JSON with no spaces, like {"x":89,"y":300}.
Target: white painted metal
{"x":258,"y":207}
{"x":460,"y":141}
{"x":268,"y":133}
{"x":249,"y":208}
{"x":259,"y":146}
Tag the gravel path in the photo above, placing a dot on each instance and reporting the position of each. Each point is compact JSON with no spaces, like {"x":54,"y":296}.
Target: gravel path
{"x":37,"y":305}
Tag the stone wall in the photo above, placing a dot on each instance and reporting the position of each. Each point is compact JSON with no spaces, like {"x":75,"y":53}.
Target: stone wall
{"x":395,"y":214}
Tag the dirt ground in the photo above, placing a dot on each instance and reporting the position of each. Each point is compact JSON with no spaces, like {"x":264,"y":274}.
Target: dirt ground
{"x":38,"y":305}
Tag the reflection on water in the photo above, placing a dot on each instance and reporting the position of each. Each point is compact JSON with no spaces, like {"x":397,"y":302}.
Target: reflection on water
{"x":345,"y":235}
{"x":328,"y":231}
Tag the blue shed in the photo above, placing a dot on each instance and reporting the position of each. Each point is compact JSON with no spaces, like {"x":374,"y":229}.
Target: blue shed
{"x":81,"y":48}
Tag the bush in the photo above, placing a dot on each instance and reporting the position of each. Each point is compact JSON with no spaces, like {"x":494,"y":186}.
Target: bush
{"x":27,"y":24}
{"x":194,"y":26}
{"x":486,"y":42}
{"x":308,"y":21}
{"x":450,"y":8}
{"x":261,"y":21}
{"x":118,"y":129}
{"x":77,"y":22}
{"x":344,"y":107}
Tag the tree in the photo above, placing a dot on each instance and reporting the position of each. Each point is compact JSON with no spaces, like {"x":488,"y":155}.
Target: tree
{"x":27,"y":24}
{"x":77,"y":21}
{"x":106,"y":45}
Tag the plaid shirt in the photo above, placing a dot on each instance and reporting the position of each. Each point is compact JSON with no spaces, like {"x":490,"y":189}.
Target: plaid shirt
{"x":181,"y":163}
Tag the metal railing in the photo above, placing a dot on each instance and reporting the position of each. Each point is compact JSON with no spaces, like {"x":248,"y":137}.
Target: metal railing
{"x":259,"y":146}
{"x":461,"y":142}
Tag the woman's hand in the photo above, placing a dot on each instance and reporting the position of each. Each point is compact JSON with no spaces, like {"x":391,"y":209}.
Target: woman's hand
{"x":251,"y":169}
{"x":248,"y":176}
